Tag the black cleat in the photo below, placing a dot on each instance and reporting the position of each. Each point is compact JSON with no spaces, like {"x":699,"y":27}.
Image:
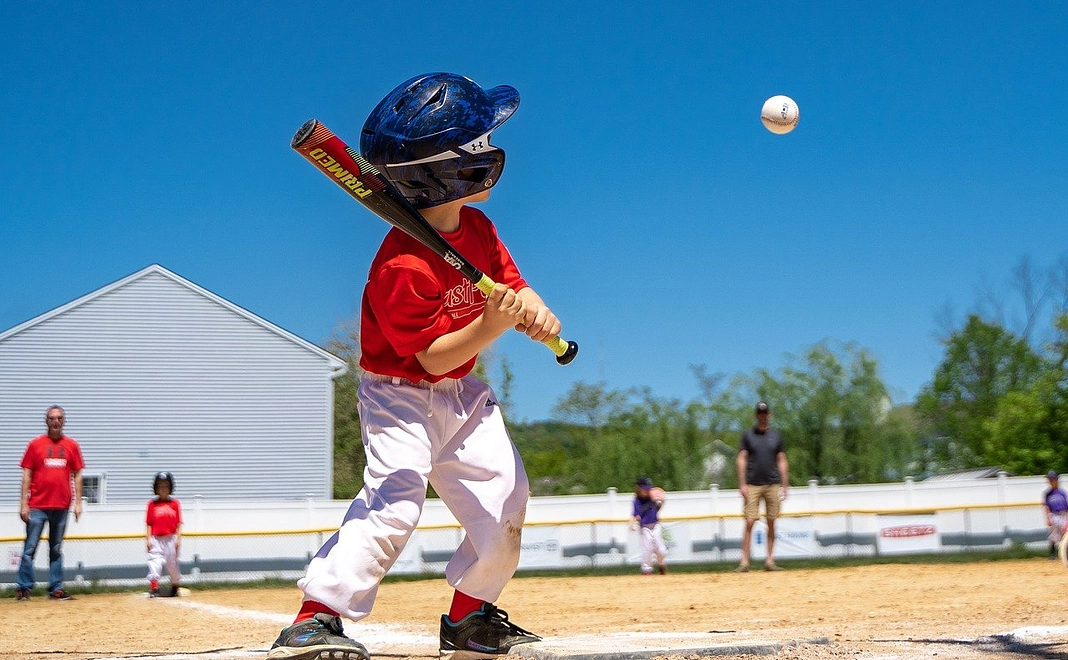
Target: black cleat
{"x":318,"y":638}
{"x":482,"y":634}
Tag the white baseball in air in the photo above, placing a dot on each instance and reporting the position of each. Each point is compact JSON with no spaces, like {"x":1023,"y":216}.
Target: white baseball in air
{"x":780,"y":114}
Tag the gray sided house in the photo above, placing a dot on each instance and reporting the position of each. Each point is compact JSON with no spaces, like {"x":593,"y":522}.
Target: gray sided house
{"x":156,"y":373}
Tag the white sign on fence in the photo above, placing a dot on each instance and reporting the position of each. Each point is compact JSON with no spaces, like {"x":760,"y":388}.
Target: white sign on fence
{"x":908,"y":534}
{"x":794,"y":537}
{"x":541,"y":547}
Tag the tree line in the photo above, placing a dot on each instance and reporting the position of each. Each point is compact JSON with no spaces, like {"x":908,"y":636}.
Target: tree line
{"x":998,"y":398}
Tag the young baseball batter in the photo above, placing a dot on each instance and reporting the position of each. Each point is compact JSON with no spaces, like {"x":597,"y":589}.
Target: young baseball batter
{"x":163,"y":526}
{"x":425,"y":418}
{"x":645,"y":519}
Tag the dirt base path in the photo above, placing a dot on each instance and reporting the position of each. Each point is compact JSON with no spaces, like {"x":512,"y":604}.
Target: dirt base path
{"x":884,"y":611}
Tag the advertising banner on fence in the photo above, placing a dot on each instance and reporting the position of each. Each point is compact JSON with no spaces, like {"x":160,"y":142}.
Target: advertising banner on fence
{"x":541,"y":547}
{"x":793,"y":538}
{"x":905,"y":534}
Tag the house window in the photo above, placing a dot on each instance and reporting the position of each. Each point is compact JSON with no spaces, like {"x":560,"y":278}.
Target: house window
{"x":93,"y":488}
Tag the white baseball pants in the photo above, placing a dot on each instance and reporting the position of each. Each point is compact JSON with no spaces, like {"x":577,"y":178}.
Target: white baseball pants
{"x":653,"y":548}
{"x":1057,"y":524}
{"x":163,"y":552}
{"x":450,"y":434}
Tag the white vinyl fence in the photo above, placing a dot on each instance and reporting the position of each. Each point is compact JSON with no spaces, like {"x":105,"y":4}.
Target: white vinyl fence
{"x":251,"y":540}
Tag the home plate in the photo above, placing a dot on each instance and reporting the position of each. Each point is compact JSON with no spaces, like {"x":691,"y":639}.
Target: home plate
{"x":639,"y":645}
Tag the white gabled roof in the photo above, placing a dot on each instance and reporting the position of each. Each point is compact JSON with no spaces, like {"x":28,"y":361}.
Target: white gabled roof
{"x":335,"y":362}
{"x":966,"y":475}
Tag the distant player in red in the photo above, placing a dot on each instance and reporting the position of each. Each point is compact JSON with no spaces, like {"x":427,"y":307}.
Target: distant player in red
{"x":51,"y":463}
{"x":425,"y":418}
{"x":163,"y":535}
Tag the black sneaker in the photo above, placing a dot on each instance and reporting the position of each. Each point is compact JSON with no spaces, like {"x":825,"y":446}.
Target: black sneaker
{"x":482,"y":634}
{"x":60,"y":594}
{"x":153,"y":592}
{"x":318,"y":638}
{"x":22,"y":594}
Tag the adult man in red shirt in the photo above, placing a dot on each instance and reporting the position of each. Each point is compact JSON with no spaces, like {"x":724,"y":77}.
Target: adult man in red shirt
{"x":51,"y":462}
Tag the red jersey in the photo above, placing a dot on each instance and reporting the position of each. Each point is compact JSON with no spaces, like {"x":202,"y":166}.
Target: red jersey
{"x":164,"y":516}
{"x":413,"y":296}
{"x":52,"y":463}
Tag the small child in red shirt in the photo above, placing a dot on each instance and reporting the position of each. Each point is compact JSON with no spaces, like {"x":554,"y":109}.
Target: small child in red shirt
{"x":163,"y":534}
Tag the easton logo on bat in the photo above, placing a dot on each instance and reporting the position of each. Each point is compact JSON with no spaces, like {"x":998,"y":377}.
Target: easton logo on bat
{"x":343,"y":176}
{"x":451,"y":259}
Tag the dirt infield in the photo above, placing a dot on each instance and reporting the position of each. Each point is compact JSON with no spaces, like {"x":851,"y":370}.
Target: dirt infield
{"x":882,"y":611}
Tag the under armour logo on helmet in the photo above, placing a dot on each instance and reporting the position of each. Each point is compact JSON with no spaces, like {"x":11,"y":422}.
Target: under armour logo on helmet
{"x":481,"y":143}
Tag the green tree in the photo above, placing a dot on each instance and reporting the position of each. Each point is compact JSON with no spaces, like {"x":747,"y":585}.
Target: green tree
{"x":901,"y":453}
{"x":349,"y":458}
{"x":983,"y":363}
{"x":590,"y":410}
{"x":656,"y":437}
{"x":831,"y":406}
{"x":1028,"y":433}
{"x":724,"y":408}
{"x":554,"y":454}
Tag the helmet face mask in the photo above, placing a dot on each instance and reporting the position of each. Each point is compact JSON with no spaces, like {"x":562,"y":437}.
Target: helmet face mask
{"x":431,"y":137}
{"x":439,"y":181}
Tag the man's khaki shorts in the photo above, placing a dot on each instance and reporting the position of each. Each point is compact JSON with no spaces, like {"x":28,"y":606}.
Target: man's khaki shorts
{"x":770,"y":496}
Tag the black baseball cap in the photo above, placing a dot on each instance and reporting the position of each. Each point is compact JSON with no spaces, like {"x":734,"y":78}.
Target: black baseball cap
{"x":762,"y":408}
{"x":644,"y":482}
{"x":1052,"y":474}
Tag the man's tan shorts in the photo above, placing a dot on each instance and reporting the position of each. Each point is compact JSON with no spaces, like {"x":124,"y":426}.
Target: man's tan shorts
{"x":770,"y":496}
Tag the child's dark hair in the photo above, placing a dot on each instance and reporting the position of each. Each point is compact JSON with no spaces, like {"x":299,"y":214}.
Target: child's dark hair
{"x":162,"y":477}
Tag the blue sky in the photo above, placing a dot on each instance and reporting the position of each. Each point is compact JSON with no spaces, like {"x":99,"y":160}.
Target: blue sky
{"x":642,"y":196}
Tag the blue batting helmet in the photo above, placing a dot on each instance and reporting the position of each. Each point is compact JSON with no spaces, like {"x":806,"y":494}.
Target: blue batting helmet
{"x":431,"y":137}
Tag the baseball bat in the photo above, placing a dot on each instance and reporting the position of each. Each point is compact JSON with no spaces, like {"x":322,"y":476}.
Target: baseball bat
{"x":362,"y":180}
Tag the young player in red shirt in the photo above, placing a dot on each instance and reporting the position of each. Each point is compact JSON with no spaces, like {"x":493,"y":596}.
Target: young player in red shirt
{"x":163,"y":538}
{"x":425,"y":418}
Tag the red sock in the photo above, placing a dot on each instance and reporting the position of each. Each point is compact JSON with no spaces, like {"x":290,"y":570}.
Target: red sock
{"x":310,"y":608}
{"x":462,"y":605}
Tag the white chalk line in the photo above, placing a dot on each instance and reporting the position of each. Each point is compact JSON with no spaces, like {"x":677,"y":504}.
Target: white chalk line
{"x":379,"y":638}
{"x":395,"y":639}
{"x":1031,"y":632}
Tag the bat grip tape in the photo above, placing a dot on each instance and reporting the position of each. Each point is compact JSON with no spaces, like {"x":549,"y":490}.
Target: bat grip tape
{"x":557,"y":345}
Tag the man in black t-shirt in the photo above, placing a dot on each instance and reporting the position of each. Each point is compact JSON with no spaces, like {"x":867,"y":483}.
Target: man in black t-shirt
{"x":763,"y":475}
